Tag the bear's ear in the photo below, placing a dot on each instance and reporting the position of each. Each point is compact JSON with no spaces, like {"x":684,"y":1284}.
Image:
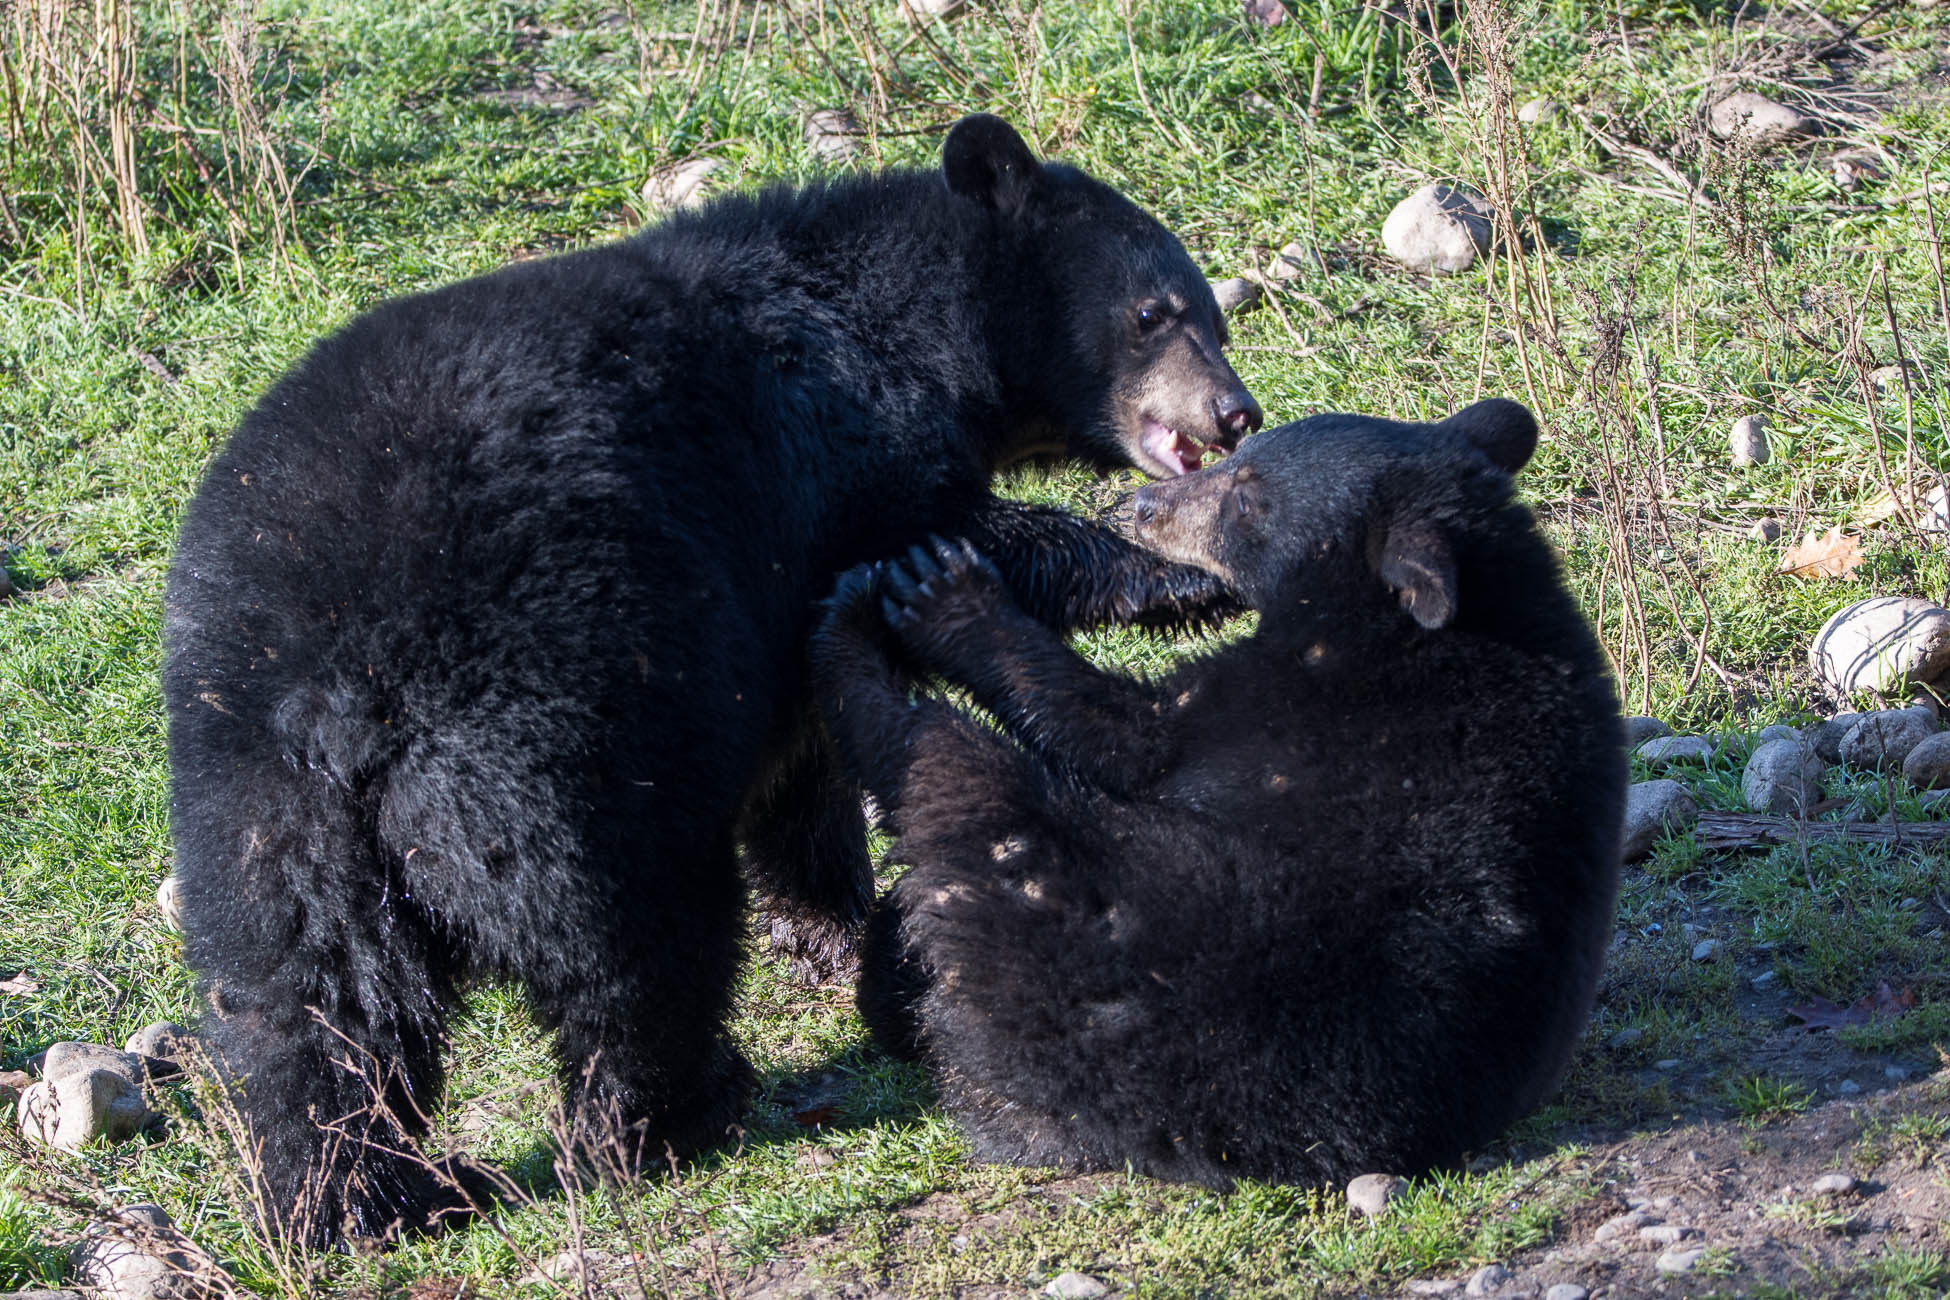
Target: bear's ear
{"x":1499,"y":428}
{"x":985,"y":160}
{"x":1417,"y":563}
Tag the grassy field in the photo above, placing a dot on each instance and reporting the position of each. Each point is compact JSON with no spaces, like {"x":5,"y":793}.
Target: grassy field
{"x":190,"y":192}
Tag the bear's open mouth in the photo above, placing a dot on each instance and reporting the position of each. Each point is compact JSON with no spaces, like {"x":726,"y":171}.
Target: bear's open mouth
{"x":1167,"y":453}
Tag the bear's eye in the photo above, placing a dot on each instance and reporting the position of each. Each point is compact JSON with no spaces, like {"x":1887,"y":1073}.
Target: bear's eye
{"x":1150,"y":316}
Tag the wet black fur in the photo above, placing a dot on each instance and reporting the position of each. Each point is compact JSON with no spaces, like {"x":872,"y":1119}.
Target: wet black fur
{"x":486,"y":630}
{"x":1330,"y":900}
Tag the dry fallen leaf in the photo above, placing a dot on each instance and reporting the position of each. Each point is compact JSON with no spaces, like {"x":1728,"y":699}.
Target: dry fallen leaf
{"x":1820,"y":1013}
{"x":1835,"y":555}
{"x":19,"y":984}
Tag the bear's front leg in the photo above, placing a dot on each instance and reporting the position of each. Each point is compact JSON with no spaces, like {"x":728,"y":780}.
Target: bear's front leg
{"x":952,"y":613}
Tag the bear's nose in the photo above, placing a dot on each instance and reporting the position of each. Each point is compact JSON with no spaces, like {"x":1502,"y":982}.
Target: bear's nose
{"x":1144,"y":511}
{"x":1236,"y":414}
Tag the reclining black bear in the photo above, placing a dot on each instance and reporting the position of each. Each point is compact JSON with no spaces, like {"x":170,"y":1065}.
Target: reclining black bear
{"x":1331,"y":899}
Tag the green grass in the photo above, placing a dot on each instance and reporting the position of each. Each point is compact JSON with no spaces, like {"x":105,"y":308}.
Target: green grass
{"x":421,"y":147}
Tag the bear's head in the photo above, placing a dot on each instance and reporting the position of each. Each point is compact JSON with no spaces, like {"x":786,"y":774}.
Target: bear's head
{"x":1348,"y":503}
{"x":1109,"y":318}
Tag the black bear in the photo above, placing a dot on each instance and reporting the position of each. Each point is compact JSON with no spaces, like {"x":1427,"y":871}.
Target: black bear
{"x":486,"y":632}
{"x":1331,"y":899}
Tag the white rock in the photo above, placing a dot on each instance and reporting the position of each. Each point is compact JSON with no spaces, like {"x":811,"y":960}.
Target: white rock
{"x":1764,"y":980}
{"x":1566,"y":1291}
{"x":1237,"y":295}
{"x":172,"y":911}
{"x":833,"y":134}
{"x":1756,"y":120}
{"x":1679,"y":1261}
{"x":1663,"y":751}
{"x":164,"y":1040}
{"x":71,"y":1058}
{"x":1075,"y":1286}
{"x":1538,"y":110}
{"x":1882,"y":740}
{"x":1833,"y":1185}
{"x":937,"y":8}
{"x":1438,"y":229}
{"x":1708,"y":950}
{"x":1293,"y":260}
{"x":1621,"y":1225}
{"x":1927,"y":767}
{"x":1882,"y":644}
{"x":1782,"y":776}
{"x":1370,"y":1193}
{"x":680,"y":185}
{"x":1748,"y":441}
{"x":146,"y":1260}
{"x":1432,"y":1286}
{"x":1488,"y":1280}
{"x":80,"y":1106}
{"x":1654,"y":809}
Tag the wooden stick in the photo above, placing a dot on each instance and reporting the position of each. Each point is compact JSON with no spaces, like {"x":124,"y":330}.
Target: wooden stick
{"x":1732,"y":830}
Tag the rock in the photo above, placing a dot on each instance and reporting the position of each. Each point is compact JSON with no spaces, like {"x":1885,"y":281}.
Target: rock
{"x":1833,"y":1185}
{"x":1763,"y":981}
{"x":1488,"y":1280}
{"x":1075,"y":1286}
{"x":162,"y":1041}
{"x":1566,"y":1291}
{"x":1748,"y":441}
{"x":1776,"y":731}
{"x":1894,"y":1073}
{"x":1935,"y":519}
{"x":1438,"y":229}
{"x":12,"y":1084}
{"x":1538,"y":110}
{"x":833,"y":134}
{"x":143,"y":1259}
{"x":1432,"y":1286}
{"x":1668,"y":1065}
{"x":1293,"y":260}
{"x":1848,"y":1087}
{"x":680,"y":185}
{"x":1927,"y":767}
{"x":1707,"y":950}
{"x":1782,"y":776}
{"x":74,"y":1109}
{"x":1236,"y":296}
{"x":1663,"y":751}
{"x":1679,"y":1261}
{"x":1641,"y":729}
{"x":1621,"y":1225}
{"x":1882,"y":740}
{"x":1826,"y":736}
{"x":1766,"y":530}
{"x":1756,"y":119}
{"x":69,"y":1058}
{"x":1882,"y":644}
{"x":42,"y":1295}
{"x":1852,"y":169}
{"x":1625,"y":1037}
{"x":1263,"y":13}
{"x":942,"y":9}
{"x":1891,"y":378}
{"x":1932,"y":800}
{"x":1665,"y":1234}
{"x":1370,"y":1193}
{"x":1654,"y":809}
{"x":172,"y":911}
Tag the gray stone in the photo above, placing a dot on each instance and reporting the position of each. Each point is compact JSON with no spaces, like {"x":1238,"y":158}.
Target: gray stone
{"x":1826,"y":736}
{"x":1882,"y":644}
{"x":1663,"y":751}
{"x":1755,"y":119}
{"x":1764,"y":980}
{"x":1640,"y":729}
{"x":1679,"y":1261}
{"x":1670,"y":1064}
{"x":1293,"y":260}
{"x":41,"y":1295}
{"x":1665,"y":1234}
{"x":1892,"y":378}
{"x":1748,"y":441}
{"x":943,"y":9}
{"x":143,"y":1258}
{"x":1777,"y":731}
{"x":1933,"y":800}
{"x":70,"y":1058}
{"x":1895,"y":1073}
{"x":1438,"y":229}
{"x":1927,"y":767}
{"x":1075,"y":1286}
{"x":69,"y":1111}
{"x":1432,"y":1286}
{"x":680,"y":185}
{"x":1708,"y":950}
{"x":1370,"y":1193}
{"x":1654,"y":809}
{"x":1625,"y":1037}
{"x":1766,"y":530}
{"x":1236,"y":296}
{"x":833,"y":134}
{"x":1882,"y":740}
{"x":1837,"y":1184}
{"x":1566,"y":1291}
{"x":1851,"y":170}
{"x":1848,"y":1087}
{"x":1621,"y":1225}
{"x":1782,"y":776}
{"x":162,"y":1041}
{"x":1489,"y":1280}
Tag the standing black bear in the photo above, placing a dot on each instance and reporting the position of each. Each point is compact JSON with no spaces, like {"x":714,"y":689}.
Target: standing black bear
{"x":469,"y":672}
{"x":1333,"y":899}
